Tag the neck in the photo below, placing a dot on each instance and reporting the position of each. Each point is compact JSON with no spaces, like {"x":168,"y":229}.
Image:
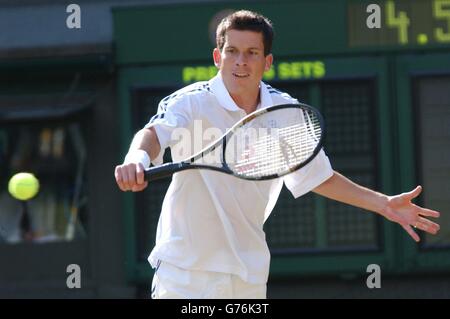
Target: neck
{"x":247,"y":102}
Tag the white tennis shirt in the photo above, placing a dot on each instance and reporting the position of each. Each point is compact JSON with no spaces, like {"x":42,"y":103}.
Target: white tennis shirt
{"x":209,"y":220}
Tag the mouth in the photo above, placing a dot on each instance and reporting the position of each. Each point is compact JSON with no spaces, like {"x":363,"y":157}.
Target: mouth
{"x":241,"y":75}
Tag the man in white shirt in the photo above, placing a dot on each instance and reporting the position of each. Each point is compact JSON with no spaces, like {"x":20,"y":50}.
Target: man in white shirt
{"x":210,"y":240}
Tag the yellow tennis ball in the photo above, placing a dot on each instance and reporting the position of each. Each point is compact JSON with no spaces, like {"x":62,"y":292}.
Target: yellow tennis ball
{"x":23,"y":186}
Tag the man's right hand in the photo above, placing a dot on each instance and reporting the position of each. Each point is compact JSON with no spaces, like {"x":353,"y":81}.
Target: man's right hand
{"x":130,"y":177}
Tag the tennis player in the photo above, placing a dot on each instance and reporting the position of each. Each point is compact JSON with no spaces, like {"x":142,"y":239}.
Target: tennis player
{"x":210,"y":241}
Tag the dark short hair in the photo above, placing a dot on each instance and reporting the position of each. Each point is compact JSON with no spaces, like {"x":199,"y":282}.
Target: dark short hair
{"x":245,"y":20}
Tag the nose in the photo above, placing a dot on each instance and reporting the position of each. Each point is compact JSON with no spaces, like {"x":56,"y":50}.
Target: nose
{"x":241,"y":59}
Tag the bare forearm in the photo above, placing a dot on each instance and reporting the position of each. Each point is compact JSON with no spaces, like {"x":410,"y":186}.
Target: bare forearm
{"x":340,"y":188}
{"x":147,"y":140}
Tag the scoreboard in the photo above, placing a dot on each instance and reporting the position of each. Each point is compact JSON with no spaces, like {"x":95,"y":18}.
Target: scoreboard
{"x":403,"y":23}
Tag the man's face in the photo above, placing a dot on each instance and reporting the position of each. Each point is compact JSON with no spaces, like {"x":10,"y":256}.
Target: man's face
{"x":242,"y":62}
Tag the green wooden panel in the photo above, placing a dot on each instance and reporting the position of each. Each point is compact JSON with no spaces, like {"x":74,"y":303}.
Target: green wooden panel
{"x":336,"y":263}
{"x":183,"y":32}
{"x":416,"y":257}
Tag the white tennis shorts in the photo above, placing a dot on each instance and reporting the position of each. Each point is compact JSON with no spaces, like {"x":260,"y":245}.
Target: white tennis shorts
{"x":171,"y":282}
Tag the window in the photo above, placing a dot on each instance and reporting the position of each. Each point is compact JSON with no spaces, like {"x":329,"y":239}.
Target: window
{"x":312,"y":223}
{"x":54,"y":150}
{"x":433,"y":149}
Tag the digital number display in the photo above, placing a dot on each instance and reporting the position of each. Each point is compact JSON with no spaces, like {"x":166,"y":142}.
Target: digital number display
{"x":402,"y":23}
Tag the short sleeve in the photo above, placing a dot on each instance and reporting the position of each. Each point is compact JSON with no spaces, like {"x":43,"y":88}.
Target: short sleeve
{"x":173,"y":113}
{"x":309,"y":177}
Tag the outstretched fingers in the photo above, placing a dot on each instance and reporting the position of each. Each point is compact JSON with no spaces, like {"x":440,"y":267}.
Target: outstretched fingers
{"x":413,"y":194}
{"x":427,"y":212}
{"x":427,"y":225}
{"x":411,"y":232}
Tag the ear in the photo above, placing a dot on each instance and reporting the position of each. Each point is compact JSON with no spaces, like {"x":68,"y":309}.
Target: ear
{"x":217,"y":57}
{"x":269,"y":61}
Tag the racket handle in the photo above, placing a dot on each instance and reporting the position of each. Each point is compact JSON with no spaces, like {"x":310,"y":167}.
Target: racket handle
{"x":165,"y":170}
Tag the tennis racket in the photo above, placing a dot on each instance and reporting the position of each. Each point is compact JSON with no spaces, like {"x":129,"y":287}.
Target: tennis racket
{"x":266,"y":144}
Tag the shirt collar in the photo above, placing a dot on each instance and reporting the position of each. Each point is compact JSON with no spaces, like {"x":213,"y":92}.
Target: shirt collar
{"x":220,"y":91}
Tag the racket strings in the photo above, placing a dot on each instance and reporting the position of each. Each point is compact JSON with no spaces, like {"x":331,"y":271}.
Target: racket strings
{"x":279,"y":151}
{"x":272,"y":156}
{"x":286,"y":141}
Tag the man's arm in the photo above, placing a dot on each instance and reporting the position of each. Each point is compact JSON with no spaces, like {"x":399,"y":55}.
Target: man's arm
{"x":130,"y":175}
{"x":398,"y":208}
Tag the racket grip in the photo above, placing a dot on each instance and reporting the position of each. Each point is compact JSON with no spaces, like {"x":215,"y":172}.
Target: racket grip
{"x":163,"y":171}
